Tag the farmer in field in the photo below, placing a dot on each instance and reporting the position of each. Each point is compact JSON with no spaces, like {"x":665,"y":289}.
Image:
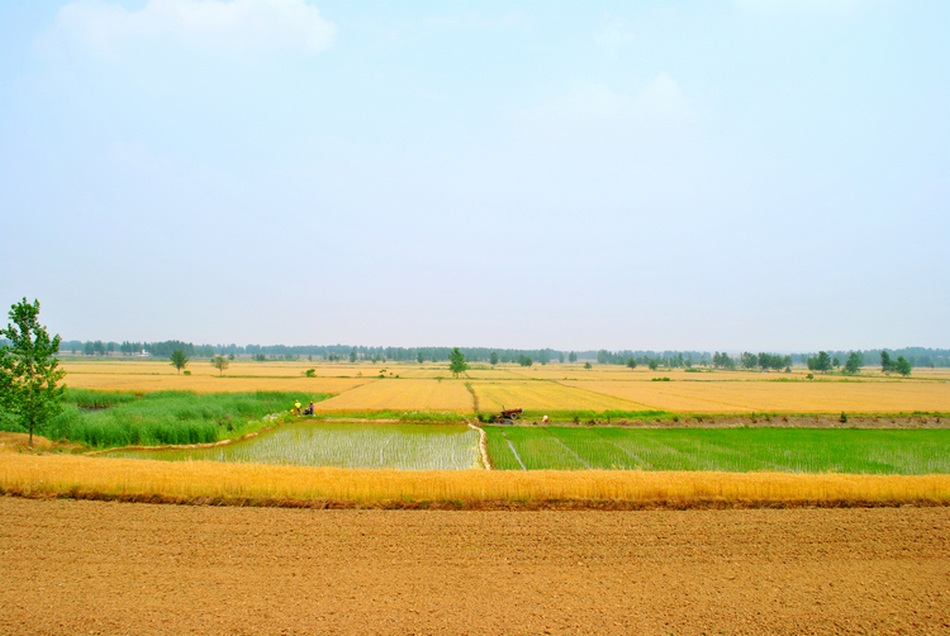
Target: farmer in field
{"x":297,"y":407}
{"x":309,"y":410}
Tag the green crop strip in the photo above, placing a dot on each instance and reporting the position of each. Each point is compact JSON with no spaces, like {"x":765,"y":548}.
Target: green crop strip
{"x":903,"y":452}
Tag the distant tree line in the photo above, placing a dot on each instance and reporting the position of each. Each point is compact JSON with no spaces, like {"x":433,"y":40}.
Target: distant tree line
{"x":161,"y":349}
{"x":916,"y":357}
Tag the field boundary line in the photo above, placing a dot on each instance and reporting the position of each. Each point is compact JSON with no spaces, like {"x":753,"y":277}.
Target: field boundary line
{"x":570,"y":450}
{"x":514,"y":451}
{"x":482,"y":445}
{"x":471,"y":389}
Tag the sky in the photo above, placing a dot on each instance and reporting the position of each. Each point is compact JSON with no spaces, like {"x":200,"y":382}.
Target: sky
{"x":731,"y":175}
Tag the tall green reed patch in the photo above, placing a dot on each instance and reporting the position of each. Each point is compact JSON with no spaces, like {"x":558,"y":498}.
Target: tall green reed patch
{"x":166,"y":417}
{"x":90,"y":399}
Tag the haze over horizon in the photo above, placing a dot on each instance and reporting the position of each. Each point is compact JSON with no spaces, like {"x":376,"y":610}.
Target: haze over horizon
{"x":734,"y":175}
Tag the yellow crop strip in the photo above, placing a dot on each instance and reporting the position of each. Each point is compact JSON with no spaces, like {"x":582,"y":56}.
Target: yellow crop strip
{"x":870,"y":396}
{"x":538,"y":395}
{"x":67,"y":475}
{"x":403,"y":394}
{"x":240,"y":377}
{"x":554,"y":387}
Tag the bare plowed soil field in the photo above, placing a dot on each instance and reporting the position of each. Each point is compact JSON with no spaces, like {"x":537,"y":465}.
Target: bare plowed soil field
{"x":81,"y":567}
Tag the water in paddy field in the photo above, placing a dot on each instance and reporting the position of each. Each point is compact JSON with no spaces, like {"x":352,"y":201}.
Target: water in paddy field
{"x":400,"y":446}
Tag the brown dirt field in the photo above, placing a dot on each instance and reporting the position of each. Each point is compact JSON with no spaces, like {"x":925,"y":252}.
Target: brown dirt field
{"x":81,"y":567}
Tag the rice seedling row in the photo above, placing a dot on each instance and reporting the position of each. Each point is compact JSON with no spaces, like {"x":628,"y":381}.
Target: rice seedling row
{"x":903,"y":452}
{"x":397,"y":446}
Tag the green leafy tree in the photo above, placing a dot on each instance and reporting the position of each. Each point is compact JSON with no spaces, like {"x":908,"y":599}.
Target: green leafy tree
{"x":631,"y":363}
{"x":420,"y":358}
{"x":723,"y":361}
{"x":902,"y":366}
{"x":748,"y":360}
{"x":29,"y":369}
{"x":572,"y":357}
{"x":220,"y":363}
{"x":493,"y":358}
{"x":853,"y":364}
{"x":821,"y":362}
{"x":887,"y":365}
{"x":457,"y":362}
{"x":179,"y":359}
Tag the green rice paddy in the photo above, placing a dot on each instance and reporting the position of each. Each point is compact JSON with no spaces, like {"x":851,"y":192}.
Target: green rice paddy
{"x":796,"y":450}
{"x":344,"y":445}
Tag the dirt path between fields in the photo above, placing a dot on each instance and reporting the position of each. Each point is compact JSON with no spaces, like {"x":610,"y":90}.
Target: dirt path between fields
{"x":81,"y":567}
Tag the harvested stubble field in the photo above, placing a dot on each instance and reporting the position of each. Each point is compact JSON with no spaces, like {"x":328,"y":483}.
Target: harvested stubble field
{"x":79,"y":567}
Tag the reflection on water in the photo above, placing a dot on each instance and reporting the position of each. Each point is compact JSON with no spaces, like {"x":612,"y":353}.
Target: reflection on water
{"x":400,"y":446}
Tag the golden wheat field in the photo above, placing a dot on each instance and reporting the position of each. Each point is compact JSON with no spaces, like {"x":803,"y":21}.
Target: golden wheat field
{"x":745,"y":396}
{"x":494,"y":395}
{"x":554,"y":387}
{"x":403,"y":395}
{"x":136,"y":479}
{"x":239,"y":377}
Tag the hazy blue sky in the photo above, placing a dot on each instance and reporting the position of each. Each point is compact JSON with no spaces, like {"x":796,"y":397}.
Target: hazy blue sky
{"x":670,"y":175}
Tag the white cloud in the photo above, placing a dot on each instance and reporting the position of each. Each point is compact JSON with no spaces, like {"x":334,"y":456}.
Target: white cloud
{"x":219,"y":26}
